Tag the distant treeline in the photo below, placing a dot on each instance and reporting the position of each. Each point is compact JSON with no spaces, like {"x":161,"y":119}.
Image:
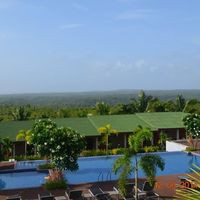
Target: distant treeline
{"x":89,"y":99}
{"x":142,"y":102}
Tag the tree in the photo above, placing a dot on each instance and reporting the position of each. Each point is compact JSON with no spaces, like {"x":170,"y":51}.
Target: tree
{"x":62,"y":145}
{"x":192,"y":126}
{"x":169,"y":106}
{"x":143,"y":100}
{"x":192,"y":106}
{"x":180,"y":103}
{"x":155,"y":105}
{"x":102,"y":108}
{"x":184,"y":192}
{"x":24,"y":135}
{"x":20,"y":114}
{"x":124,"y":163}
{"x":106,"y":131}
{"x":7,"y":146}
{"x":149,"y":164}
{"x":162,"y":140}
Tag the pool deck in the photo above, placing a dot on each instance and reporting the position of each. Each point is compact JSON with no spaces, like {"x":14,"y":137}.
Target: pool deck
{"x":165,"y":188}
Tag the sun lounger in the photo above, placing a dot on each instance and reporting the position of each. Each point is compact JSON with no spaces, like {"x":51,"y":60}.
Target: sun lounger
{"x":14,"y":197}
{"x":45,"y":197}
{"x":74,"y":195}
{"x":98,"y":194}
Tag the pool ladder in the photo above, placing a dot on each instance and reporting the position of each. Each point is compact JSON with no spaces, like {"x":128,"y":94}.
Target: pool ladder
{"x":108,"y":176}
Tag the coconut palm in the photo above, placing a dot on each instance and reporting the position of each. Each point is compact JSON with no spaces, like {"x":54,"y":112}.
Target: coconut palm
{"x":24,"y":136}
{"x":106,"y":131}
{"x":193,"y":193}
{"x":6,"y":148}
{"x":124,"y":163}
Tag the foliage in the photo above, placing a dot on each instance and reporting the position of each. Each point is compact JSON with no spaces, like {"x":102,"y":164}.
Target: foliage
{"x":162,"y":140}
{"x":55,"y":180}
{"x":52,"y":185}
{"x":193,"y":193}
{"x":123,"y":165}
{"x":102,"y":108}
{"x":62,"y":145}
{"x":149,"y":164}
{"x":155,"y":105}
{"x":99,"y":152}
{"x":139,"y":135}
{"x":190,"y":149}
{"x":80,"y":105}
{"x":180,"y":103}
{"x":24,"y":135}
{"x":192,"y":106}
{"x":46,"y":166}
{"x":21,"y":113}
{"x":151,"y":149}
{"x":192,"y":125}
{"x":106,"y":131}
{"x":6,"y":148}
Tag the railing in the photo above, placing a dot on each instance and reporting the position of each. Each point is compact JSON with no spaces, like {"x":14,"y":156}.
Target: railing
{"x":108,"y":176}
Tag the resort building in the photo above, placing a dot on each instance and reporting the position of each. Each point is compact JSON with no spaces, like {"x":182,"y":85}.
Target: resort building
{"x":168,"y":122}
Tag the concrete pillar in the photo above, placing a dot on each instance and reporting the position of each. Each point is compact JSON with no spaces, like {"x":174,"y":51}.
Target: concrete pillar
{"x":177,"y":134}
{"x":96,"y":143}
{"x":125,"y":140}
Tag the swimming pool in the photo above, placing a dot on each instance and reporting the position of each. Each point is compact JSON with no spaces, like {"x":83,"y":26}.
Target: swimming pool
{"x":93,"y":169}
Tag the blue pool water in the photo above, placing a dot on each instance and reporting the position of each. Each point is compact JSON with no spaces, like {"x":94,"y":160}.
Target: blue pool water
{"x":94,"y":169}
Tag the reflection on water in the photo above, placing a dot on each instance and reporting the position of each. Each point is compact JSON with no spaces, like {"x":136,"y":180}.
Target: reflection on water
{"x":2,"y":184}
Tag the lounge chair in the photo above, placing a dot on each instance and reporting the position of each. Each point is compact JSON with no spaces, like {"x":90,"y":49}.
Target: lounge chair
{"x":46,"y":197}
{"x":74,"y":195}
{"x":98,"y":194}
{"x":14,"y":197}
{"x":147,"y":190}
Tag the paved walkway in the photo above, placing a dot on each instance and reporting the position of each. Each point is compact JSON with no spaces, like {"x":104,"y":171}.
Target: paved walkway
{"x":165,"y":187}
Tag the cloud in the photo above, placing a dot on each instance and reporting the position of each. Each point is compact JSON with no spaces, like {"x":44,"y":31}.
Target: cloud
{"x":135,"y":14}
{"x":79,"y":7}
{"x":70,"y":26}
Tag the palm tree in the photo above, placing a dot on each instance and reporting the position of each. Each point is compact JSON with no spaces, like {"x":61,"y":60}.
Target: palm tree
{"x":7,"y":145}
{"x":124,"y":163}
{"x":24,"y":136}
{"x":162,"y":140}
{"x":106,"y":131}
{"x":186,"y":193}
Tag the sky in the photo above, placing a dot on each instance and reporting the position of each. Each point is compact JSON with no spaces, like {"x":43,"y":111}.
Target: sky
{"x":90,"y":45}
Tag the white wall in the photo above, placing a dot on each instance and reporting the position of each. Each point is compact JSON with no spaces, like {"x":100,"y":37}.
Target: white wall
{"x":173,"y":146}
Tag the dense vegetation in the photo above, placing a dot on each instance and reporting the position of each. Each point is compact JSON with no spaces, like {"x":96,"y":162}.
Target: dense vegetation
{"x":25,"y":107}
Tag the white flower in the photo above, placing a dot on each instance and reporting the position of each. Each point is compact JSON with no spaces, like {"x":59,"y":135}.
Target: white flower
{"x":45,"y":143}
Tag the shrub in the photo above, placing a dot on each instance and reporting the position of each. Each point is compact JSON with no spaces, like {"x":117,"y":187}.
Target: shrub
{"x":46,"y":166}
{"x":189,"y":149}
{"x":99,"y":152}
{"x":57,"y":184}
{"x":118,"y":151}
{"x":151,"y":149}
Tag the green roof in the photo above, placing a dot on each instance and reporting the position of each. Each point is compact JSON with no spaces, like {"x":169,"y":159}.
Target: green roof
{"x":162,"y":120}
{"x":122,"y":123}
{"x":89,"y":126}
